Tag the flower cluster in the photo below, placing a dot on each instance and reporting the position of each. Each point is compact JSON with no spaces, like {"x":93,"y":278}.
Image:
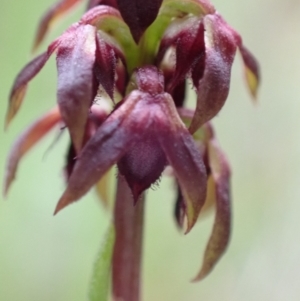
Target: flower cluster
{"x":141,"y":54}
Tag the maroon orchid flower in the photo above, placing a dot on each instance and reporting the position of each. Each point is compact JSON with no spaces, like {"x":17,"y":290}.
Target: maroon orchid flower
{"x":140,"y":55}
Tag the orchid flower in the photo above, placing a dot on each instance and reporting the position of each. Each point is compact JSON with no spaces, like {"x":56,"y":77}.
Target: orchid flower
{"x":141,"y":55}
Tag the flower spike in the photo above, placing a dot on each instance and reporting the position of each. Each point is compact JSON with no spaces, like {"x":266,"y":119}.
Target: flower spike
{"x":123,"y":74}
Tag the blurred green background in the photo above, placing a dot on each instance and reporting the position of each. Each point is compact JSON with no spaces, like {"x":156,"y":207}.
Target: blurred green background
{"x":50,"y":258}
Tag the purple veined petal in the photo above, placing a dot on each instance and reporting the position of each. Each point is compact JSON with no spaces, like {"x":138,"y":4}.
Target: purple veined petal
{"x":139,"y":14}
{"x":190,"y":48}
{"x":104,"y":149}
{"x":53,"y":13}
{"x":26,"y":141}
{"x":19,"y":88}
{"x":187,"y":36}
{"x":105,"y":67}
{"x":93,"y":3}
{"x":251,"y":69}
{"x":183,"y":155}
{"x":213,"y":87}
{"x":75,"y":89}
{"x":220,"y":235}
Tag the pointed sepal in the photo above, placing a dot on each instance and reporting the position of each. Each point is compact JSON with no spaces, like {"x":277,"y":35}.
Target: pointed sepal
{"x":185,"y":158}
{"x":213,"y":86}
{"x":251,"y":69}
{"x":110,"y":142}
{"x":29,"y":138}
{"x":220,"y":235}
{"x":19,"y":88}
{"x":75,"y":89}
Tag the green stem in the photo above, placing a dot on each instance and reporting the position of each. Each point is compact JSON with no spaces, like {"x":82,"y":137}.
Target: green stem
{"x":127,"y":256}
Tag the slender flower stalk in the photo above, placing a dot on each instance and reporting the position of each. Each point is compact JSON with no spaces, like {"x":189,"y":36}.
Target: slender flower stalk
{"x":127,"y":256}
{"x":123,"y":70}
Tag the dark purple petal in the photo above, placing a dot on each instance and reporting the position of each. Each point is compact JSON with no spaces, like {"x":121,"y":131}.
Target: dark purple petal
{"x":213,"y":87}
{"x":183,"y":155}
{"x":105,"y":67}
{"x":221,"y":231}
{"x":75,"y":90}
{"x":143,"y":163}
{"x":190,"y":48}
{"x":188,"y":39}
{"x":57,"y":10}
{"x":111,"y":141}
{"x":139,"y":14}
{"x":20,"y":85}
{"x":26,"y":141}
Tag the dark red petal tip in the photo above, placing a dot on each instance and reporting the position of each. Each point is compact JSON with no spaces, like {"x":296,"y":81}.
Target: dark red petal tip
{"x":139,"y":14}
{"x":143,"y":163}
